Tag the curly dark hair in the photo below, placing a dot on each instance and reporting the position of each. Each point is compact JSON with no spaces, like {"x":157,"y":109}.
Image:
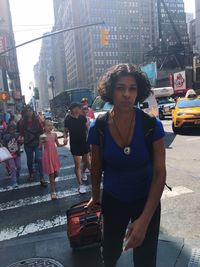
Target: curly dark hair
{"x":107,"y":82}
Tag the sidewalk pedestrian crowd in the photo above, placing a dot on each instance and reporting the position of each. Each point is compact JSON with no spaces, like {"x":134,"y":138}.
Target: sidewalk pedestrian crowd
{"x":132,"y":163}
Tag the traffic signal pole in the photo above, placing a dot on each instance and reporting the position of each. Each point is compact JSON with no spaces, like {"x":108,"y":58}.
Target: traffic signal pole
{"x":51,"y":34}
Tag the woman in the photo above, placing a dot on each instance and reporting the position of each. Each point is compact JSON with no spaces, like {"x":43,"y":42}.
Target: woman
{"x":30,"y":128}
{"x":133,"y":183}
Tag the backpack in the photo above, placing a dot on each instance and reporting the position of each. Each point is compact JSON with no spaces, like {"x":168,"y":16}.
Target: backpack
{"x":148,"y":124}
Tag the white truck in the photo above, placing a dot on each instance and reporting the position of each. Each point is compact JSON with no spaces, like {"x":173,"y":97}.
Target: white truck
{"x":165,"y":101}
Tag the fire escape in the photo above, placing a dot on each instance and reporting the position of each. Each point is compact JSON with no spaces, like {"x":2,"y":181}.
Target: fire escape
{"x":168,"y":56}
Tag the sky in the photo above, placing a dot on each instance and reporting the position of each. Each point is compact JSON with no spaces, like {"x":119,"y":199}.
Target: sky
{"x":32,"y":18}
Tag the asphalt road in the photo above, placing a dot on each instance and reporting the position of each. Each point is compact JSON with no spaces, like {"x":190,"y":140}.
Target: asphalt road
{"x":29,"y":210}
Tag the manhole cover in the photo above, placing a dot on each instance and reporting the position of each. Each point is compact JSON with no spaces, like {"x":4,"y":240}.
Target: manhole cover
{"x":195,"y":258}
{"x":36,"y":262}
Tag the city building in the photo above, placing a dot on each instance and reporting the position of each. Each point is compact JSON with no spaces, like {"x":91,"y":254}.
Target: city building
{"x":9,"y":72}
{"x":189,"y":18}
{"x":132,"y":27}
{"x":171,"y":31}
{"x":192,"y":34}
{"x":42,"y":72}
{"x":197,"y":8}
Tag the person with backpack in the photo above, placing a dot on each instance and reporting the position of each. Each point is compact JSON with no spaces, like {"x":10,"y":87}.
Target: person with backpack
{"x":127,"y":144}
{"x":30,"y":128}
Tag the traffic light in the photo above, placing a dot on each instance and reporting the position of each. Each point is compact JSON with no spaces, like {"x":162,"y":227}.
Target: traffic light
{"x":104,"y":37}
{"x":4,"y":96}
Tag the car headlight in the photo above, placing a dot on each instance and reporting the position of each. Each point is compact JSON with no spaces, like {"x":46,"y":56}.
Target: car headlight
{"x":180,"y":113}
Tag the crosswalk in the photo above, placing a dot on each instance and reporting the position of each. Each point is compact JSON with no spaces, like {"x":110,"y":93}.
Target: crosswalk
{"x":29,"y":209}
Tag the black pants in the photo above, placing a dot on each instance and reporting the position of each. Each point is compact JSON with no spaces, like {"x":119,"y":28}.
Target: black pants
{"x":116,"y":216}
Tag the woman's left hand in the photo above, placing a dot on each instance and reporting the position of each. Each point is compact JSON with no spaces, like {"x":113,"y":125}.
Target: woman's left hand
{"x":135,"y":234}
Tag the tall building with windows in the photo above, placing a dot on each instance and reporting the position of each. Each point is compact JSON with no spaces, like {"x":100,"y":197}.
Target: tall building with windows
{"x":197,"y":8}
{"x":132,"y":27}
{"x":167,"y":33}
{"x":135,"y":27}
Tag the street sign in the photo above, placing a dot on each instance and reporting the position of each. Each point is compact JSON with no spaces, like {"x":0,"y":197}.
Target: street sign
{"x":4,"y":96}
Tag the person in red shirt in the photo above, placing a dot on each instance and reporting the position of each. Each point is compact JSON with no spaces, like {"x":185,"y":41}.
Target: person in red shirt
{"x":30,"y":128}
{"x":84,"y":102}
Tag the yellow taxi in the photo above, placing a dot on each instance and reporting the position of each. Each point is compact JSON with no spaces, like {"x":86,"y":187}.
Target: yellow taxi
{"x":186,"y":114}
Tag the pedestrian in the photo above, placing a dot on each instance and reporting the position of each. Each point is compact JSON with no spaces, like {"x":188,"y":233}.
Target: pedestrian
{"x":12,"y":142}
{"x":3,"y":127}
{"x":30,"y":129}
{"x":133,"y":183}
{"x":50,"y":159}
{"x":84,"y":102}
{"x":85,"y":112}
{"x":18,"y":116}
{"x":76,"y":126}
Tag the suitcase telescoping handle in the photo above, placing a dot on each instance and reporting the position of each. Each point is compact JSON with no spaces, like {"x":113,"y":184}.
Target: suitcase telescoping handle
{"x":81,"y":207}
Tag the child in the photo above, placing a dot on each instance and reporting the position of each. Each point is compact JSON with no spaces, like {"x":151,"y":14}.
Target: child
{"x":12,"y":142}
{"x":50,"y":160}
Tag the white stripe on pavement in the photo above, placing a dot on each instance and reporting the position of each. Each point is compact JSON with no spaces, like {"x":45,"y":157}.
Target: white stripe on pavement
{"x":193,"y":139}
{"x":62,"y":168}
{"x":39,"y":225}
{"x":176,"y":191}
{"x":39,"y":199}
{"x":31,"y":184}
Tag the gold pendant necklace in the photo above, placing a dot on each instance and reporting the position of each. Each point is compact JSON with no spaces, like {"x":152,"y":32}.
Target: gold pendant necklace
{"x":127,"y":148}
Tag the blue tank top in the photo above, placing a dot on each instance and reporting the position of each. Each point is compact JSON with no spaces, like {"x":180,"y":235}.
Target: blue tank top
{"x":127,"y":177}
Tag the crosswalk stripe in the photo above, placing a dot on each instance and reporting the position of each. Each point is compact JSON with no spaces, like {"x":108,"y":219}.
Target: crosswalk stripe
{"x":179,"y":190}
{"x":39,"y":225}
{"x":39,"y":199}
{"x":62,"y":168}
{"x":57,"y":220}
{"x":176,"y":191}
{"x":31,"y":184}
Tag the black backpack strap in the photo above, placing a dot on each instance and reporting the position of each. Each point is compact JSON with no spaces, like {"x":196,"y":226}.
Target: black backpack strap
{"x":149,"y":124}
{"x":100,"y":126}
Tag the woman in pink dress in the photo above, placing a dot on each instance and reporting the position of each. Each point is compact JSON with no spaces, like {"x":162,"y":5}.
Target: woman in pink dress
{"x":50,"y":159}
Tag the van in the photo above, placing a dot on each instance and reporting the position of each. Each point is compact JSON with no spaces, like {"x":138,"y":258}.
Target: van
{"x":150,"y":105}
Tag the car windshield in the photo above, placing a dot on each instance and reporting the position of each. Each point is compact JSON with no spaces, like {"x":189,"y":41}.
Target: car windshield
{"x":190,"y":103}
{"x":107,"y":106}
{"x":165,"y":101}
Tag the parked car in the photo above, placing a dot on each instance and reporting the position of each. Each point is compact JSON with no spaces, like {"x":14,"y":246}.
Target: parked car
{"x":186,"y":114}
{"x":99,"y":106}
{"x":165,"y":105}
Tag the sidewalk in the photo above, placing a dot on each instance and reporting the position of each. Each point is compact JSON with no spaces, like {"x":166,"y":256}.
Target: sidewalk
{"x":172,"y":252}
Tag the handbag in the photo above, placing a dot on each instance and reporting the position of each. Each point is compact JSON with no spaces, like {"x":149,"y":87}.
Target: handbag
{"x":4,"y":154}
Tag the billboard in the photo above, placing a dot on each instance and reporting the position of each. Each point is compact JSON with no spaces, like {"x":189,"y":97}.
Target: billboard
{"x":1,"y":81}
{"x":151,"y":71}
{"x":179,"y":82}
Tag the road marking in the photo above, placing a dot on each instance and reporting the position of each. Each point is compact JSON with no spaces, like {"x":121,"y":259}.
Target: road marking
{"x":39,"y":199}
{"x":62,"y":168}
{"x":31,"y":184}
{"x":39,"y":225}
{"x":193,"y":139}
{"x":176,"y":191}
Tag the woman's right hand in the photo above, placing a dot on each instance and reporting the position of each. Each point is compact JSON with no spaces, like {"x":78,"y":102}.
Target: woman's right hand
{"x":92,"y":203}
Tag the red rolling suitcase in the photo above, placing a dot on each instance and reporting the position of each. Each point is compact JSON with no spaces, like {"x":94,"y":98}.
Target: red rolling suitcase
{"x":84,"y":227}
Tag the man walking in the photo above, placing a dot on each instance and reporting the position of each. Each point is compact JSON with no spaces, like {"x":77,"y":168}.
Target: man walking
{"x":76,"y":127}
